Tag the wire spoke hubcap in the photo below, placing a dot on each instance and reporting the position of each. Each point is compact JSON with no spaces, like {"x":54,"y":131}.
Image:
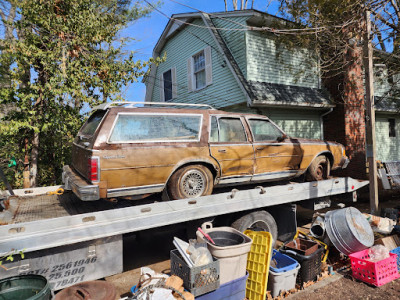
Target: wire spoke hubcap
{"x":193,"y":183}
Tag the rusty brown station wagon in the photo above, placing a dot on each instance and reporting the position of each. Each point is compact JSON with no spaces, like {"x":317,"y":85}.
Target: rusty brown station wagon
{"x":129,"y":149}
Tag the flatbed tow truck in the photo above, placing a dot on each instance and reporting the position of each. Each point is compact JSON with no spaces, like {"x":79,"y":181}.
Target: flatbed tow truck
{"x":70,"y":241}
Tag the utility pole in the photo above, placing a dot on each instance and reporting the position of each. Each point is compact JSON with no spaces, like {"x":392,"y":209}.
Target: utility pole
{"x":370,"y":116}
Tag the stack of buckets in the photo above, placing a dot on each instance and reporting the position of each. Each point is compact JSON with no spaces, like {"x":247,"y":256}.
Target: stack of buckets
{"x":231,"y":249}
{"x":283,"y":272}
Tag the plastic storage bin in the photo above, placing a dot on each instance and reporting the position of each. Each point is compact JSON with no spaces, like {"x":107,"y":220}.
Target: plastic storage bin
{"x":282,"y":281}
{"x":375,"y":273}
{"x":397,"y":252}
{"x":198,"y":280}
{"x":282,"y":262}
{"x":232,"y":259}
{"x":232,"y":290}
{"x":310,"y":266}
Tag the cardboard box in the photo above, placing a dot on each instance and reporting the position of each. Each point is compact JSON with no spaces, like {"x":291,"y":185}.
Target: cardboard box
{"x":390,"y":242}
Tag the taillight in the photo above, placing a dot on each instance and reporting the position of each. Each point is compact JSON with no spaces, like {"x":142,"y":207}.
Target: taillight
{"x":94,"y":169}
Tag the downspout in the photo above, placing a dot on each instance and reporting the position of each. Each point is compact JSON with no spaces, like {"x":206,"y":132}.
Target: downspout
{"x":321,"y":119}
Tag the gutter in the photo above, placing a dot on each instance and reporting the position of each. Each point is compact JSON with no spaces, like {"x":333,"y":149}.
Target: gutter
{"x":322,"y":121}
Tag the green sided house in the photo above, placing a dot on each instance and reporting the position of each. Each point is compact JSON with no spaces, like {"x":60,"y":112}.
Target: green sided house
{"x":232,"y":61}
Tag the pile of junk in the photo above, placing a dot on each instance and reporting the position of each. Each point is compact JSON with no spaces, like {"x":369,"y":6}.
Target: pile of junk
{"x":224,"y":263}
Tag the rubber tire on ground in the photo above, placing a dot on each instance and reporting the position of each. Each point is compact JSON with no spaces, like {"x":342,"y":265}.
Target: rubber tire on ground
{"x":319,"y":169}
{"x":258,"y":220}
{"x":173,"y":185}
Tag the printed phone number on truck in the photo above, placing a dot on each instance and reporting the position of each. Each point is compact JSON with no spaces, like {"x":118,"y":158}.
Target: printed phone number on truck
{"x":56,"y":271}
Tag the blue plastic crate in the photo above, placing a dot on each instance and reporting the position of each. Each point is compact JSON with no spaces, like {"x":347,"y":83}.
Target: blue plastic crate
{"x":397,"y":252}
{"x":284,"y":263}
{"x":232,"y":290}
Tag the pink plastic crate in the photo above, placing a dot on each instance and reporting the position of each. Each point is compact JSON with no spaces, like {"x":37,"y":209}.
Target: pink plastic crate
{"x":375,"y":273}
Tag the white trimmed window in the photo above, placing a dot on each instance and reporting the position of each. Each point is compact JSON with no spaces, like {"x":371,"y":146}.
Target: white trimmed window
{"x":200,"y":70}
{"x":168,"y":90}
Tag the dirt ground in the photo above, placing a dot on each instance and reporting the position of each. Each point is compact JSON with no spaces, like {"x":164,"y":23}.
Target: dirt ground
{"x":152,"y":249}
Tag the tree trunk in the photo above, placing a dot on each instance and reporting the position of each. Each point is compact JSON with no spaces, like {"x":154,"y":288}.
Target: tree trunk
{"x":34,"y":159}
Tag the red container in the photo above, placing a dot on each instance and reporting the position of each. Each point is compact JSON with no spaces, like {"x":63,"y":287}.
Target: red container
{"x":302,"y":246}
{"x":375,"y":273}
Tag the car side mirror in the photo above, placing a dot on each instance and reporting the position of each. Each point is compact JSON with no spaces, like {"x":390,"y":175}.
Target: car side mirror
{"x":282,"y":138}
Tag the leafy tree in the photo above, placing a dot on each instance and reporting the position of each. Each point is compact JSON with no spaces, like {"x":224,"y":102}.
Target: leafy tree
{"x":64,"y":56}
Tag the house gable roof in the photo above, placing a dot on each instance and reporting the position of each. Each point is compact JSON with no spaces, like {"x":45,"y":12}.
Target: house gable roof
{"x":258,"y":93}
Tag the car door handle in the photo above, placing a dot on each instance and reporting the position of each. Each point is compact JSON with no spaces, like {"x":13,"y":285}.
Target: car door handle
{"x":260,"y":148}
{"x":222,"y":150}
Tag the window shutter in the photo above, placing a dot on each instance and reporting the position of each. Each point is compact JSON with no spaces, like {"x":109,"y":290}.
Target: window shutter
{"x":161,"y":88}
{"x":174,"y":84}
{"x":190,"y":74}
{"x":207,"y":54}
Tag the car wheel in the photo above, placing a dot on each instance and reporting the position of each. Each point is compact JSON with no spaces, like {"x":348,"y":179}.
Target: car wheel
{"x":258,"y":221}
{"x":190,"y":182}
{"x":319,"y":169}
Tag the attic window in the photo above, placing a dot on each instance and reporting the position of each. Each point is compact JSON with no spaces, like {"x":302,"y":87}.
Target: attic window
{"x":200,"y":70}
{"x":167,"y":78}
{"x":168,"y":85}
{"x":392,"y":127}
{"x":199,"y":64}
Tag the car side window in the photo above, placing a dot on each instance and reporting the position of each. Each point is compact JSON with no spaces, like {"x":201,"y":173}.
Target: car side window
{"x":156,"y":128}
{"x":264,"y":130}
{"x":231,"y":130}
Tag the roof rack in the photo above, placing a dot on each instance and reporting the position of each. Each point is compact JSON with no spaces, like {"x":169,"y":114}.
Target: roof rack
{"x":104,"y":106}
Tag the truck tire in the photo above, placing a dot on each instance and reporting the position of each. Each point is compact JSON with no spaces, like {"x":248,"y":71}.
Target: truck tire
{"x":190,"y":181}
{"x":258,"y":221}
{"x":319,"y":169}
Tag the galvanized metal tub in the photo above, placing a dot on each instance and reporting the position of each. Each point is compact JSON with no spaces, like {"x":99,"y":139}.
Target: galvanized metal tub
{"x":348,"y":230}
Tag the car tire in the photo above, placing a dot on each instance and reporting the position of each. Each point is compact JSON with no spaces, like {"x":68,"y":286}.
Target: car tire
{"x":319,"y":169}
{"x":258,"y":221}
{"x":190,"y":181}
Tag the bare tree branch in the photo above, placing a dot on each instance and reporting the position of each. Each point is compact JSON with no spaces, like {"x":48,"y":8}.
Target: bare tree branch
{"x":396,"y":8}
{"x":383,"y":20}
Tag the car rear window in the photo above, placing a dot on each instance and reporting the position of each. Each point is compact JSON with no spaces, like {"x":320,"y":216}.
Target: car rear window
{"x":92,"y":123}
{"x":156,"y":128}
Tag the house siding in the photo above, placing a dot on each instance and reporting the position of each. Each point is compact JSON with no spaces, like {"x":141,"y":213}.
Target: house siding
{"x":270,"y":61}
{"x":295,"y":123}
{"x":224,"y":89}
{"x":387,"y":148}
{"x":234,"y":39}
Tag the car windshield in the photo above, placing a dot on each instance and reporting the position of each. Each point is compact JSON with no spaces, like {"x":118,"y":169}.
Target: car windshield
{"x":92,"y":123}
{"x":155,"y":128}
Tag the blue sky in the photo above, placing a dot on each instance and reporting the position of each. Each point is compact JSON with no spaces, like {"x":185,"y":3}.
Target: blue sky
{"x":146,"y":31}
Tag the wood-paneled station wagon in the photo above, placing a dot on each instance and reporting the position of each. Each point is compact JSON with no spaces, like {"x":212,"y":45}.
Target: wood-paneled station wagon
{"x":135,"y":148}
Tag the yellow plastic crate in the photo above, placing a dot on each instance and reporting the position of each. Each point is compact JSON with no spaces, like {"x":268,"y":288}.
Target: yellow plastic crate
{"x":258,"y":261}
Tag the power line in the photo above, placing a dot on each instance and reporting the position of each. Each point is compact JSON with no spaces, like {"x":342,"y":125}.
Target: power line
{"x":211,"y":14}
{"x":292,"y":31}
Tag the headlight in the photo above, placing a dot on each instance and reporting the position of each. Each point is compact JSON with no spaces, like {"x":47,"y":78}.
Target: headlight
{"x":343,"y":151}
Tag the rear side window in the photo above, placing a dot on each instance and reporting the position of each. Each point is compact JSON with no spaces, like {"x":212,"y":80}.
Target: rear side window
{"x":229,"y":130}
{"x":92,"y":123}
{"x":156,"y":128}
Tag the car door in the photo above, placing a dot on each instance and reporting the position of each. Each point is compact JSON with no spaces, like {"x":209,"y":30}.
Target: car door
{"x":276,"y":155}
{"x":230,"y":146}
